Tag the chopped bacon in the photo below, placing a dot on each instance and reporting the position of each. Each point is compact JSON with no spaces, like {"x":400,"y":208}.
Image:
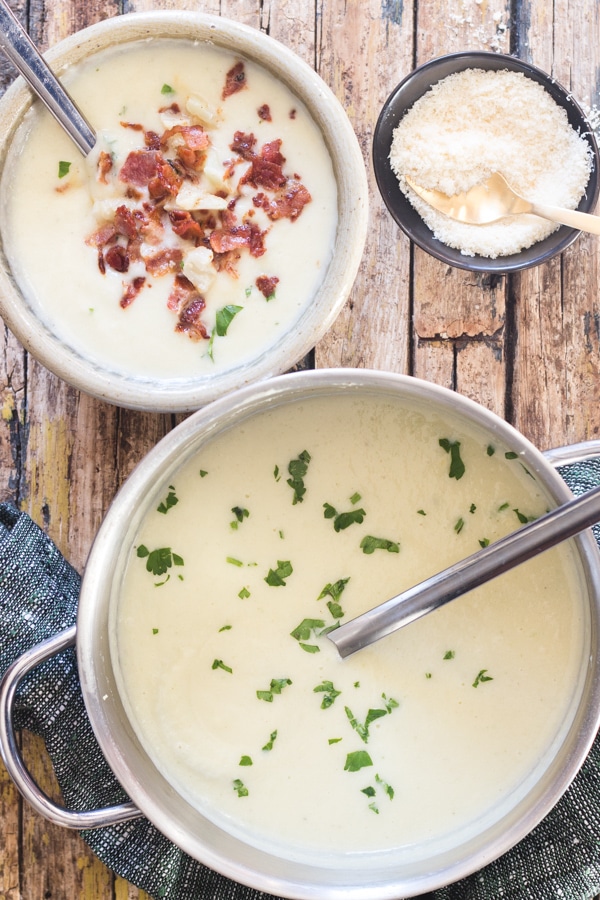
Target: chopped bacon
{"x":102,"y":236}
{"x":105,"y":164}
{"x":235,"y":81}
{"x":135,"y":126}
{"x":166,"y":181}
{"x":152,"y":228}
{"x":292,"y":113}
{"x":271,"y":151}
{"x":227,"y":262}
{"x":184,"y":224}
{"x":131,"y":292}
{"x":167,"y":260}
{"x":101,"y":263}
{"x":243,"y":144}
{"x":126,"y":222}
{"x":287,"y":204}
{"x":183,"y":290}
{"x":264,"y":173}
{"x":117,"y":258}
{"x":246,"y":235}
{"x":152,"y":140}
{"x":189,"y":319}
{"x":194,"y":136}
{"x":174,"y":108}
{"x":267,"y":284}
{"x":140,"y":167}
{"x":264,"y":113}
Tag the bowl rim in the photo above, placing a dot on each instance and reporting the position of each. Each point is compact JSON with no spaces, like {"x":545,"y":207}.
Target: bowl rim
{"x":188,"y":394}
{"x":397,"y":205}
{"x":122,"y":749}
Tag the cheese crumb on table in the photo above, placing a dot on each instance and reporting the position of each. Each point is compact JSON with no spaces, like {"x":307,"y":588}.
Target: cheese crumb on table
{"x":477,"y":122}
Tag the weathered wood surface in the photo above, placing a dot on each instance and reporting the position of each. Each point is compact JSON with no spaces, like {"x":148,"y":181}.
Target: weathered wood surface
{"x":525,"y":346}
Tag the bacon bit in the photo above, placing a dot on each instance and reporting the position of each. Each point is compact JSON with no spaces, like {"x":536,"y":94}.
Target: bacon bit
{"x":132,"y":194}
{"x":174,"y":108}
{"x":184,"y":224}
{"x":132,"y":291}
{"x":271,"y":151}
{"x":102,"y":236}
{"x":152,"y":140}
{"x":152,"y":229}
{"x":227,"y":262}
{"x":140,"y":167}
{"x":135,"y":126}
{"x":286,"y":205}
{"x":194,"y":136}
{"x":264,"y":113}
{"x":244,"y":145}
{"x":126,"y":223}
{"x":235,"y":81}
{"x":101,"y":263}
{"x":166,"y":181}
{"x":246,"y":235}
{"x":292,"y":113}
{"x":117,"y":258}
{"x":105,"y":164}
{"x":267,"y":284}
{"x":189,"y":320}
{"x":167,"y":260}
{"x":183,"y":290}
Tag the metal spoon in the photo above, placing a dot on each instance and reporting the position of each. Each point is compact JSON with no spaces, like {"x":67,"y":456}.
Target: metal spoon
{"x":494,"y":199}
{"x":556,"y":526}
{"x":23,"y":53}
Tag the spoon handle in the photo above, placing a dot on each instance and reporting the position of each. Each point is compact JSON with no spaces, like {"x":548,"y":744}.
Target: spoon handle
{"x":579,"y":220}
{"x":509,"y":551}
{"x":23,"y":53}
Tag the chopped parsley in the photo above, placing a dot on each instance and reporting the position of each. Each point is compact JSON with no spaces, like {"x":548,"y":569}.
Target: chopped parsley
{"x":370,"y":544}
{"x":271,"y":741}
{"x":240,"y":514}
{"x":169,"y":502}
{"x":355,"y":498}
{"x":484,"y":542}
{"x":357,"y":760}
{"x":343,"y":520}
{"x":329,"y":694}
{"x":219,"y":664}
{"x":246,"y":761}
{"x":203,"y":473}
{"x":334,"y":740}
{"x":160,"y":560}
{"x":240,"y":788}
{"x":449,"y":654}
{"x":303,"y":632}
{"x":362,"y":729}
{"x":490,"y":450}
{"x":457,"y":466}
{"x":523,"y":519}
{"x":167,"y":89}
{"x":233,"y":561}
{"x":481,"y":677}
{"x":297,"y":469}
{"x":63,"y":168}
{"x":276,"y":577}
{"x":276,"y":687}
{"x":510,"y":454}
{"x":460,"y":524}
{"x":244,"y":593}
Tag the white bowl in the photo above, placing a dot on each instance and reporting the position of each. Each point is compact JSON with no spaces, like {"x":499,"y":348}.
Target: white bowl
{"x":187,"y":393}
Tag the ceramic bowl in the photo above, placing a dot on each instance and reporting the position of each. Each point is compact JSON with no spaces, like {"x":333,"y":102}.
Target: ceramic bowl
{"x":185,"y":393}
{"x":403,"y":97}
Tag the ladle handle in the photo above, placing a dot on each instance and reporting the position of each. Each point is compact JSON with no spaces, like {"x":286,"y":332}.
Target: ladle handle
{"x":9,"y":749}
{"x":561,"y":523}
{"x":572,"y":218}
{"x":23,"y":53}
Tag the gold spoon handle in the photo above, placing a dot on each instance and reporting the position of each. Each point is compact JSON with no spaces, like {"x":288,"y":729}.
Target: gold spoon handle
{"x":579,"y":220}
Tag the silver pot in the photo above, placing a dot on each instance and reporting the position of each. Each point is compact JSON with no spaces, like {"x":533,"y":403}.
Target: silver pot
{"x":151,"y":793}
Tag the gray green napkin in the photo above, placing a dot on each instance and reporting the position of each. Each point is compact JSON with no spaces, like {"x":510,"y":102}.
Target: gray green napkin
{"x":38,"y":597}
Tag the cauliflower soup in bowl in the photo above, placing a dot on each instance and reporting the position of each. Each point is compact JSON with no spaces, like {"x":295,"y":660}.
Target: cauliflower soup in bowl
{"x":210,"y":237}
{"x":260,"y":524}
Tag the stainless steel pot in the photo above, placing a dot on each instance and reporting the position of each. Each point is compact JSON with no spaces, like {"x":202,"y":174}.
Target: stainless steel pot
{"x":154,"y":797}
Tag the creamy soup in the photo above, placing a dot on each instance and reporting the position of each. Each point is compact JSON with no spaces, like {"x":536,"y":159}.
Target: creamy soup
{"x":282,"y":528}
{"x":198,"y":229}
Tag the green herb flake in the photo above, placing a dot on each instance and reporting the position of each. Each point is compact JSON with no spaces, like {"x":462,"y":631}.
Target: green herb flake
{"x":334,"y":590}
{"x":244,"y":594}
{"x":428,"y":675}
{"x":510,"y":454}
{"x":335,"y":609}
{"x":490,"y":450}
{"x":310,"y":648}
{"x":203,"y":473}
{"x":387,"y":788}
{"x":63,"y":168}
{"x":276,"y":687}
{"x":421,"y":512}
{"x":370,"y":544}
{"x":472,"y":508}
{"x":457,"y":467}
{"x":225,"y":317}
{"x":160,"y":560}
{"x":272,"y":738}
{"x":155,"y":631}
{"x":240,"y":514}
{"x":169,"y":502}
{"x":276,"y":577}
{"x":297,"y":469}
{"x":276,"y":474}
{"x":449,"y":654}
{"x":481,"y":677}
{"x":219,"y":664}
{"x":374,"y":808}
{"x":303,"y":631}
{"x":248,"y":291}
{"x":167,"y":89}
{"x":329,"y":694}
{"x":233,"y":561}
{"x":484,"y":542}
{"x":225,"y":628}
{"x":355,"y":498}
{"x":459,"y":525}
{"x":359,"y":759}
{"x":523,"y":519}
{"x":334,"y":741}
{"x":240,"y":788}
{"x":246,"y":761}
{"x":503,"y":507}
{"x":368,"y":791}
{"x":343,"y":520}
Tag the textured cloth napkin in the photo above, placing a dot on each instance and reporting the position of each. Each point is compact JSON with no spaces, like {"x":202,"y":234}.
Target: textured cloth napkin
{"x":38,"y":597}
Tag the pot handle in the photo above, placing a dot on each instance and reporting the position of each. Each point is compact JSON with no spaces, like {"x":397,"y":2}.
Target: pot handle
{"x":13,"y":760}
{"x":572,"y":453}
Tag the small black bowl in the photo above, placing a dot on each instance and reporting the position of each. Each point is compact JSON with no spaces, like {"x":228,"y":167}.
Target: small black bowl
{"x":403,"y":98}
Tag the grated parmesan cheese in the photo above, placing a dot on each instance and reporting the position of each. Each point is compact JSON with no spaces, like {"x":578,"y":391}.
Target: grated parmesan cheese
{"x":477,"y":122}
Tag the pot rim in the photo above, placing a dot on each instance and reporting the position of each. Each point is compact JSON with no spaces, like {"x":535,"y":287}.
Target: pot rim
{"x":246,"y":864}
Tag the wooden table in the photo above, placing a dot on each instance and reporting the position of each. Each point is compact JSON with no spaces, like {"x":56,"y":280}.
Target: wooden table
{"x":526,"y":346}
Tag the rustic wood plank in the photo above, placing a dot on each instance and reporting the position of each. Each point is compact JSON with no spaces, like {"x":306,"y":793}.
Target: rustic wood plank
{"x":363,"y":50}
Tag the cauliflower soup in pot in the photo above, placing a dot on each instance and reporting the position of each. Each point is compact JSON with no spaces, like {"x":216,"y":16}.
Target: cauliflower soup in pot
{"x":276,"y":516}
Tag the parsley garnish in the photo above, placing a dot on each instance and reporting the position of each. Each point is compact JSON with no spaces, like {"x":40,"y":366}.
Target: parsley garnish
{"x":449,"y":654}
{"x":490,"y":450}
{"x":63,"y":168}
{"x":457,"y":467}
{"x":167,"y":89}
{"x":240,"y":514}
{"x":244,"y":594}
{"x":330,"y":693}
{"x":510,"y":454}
{"x":361,"y":729}
{"x":343,"y":520}
{"x":297,"y":469}
{"x":276,"y":687}
{"x":370,"y":544}
{"x":303,"y":632}
{"x":219,"y":664}
{"x":484,"y":542}
{"x":276,"y":577}
{"x":523,"y":519}
{"x":158,"y":561}
{"x":233,"y":561}
{"x":240,"y":788}
{"x":271,"y":741}
{"x":481,"y":677}
{"x":359,"y":759}
{"x":246,"y":761}
{"x":225,"y":628}
{"x":225,"y":317}
{"x":170,"y":501}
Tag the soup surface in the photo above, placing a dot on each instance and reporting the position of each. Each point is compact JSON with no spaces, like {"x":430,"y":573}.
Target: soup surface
{"x":198,"y":229}
{"x":287,"y":525}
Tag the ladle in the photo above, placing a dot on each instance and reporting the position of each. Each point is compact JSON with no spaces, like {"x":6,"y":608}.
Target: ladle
{"x":515,"y":548}
{"x":494,"y":199}
{"x":23,"y":53}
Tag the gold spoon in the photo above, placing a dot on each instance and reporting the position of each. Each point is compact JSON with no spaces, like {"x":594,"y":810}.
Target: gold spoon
{"x":494,"y":199}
